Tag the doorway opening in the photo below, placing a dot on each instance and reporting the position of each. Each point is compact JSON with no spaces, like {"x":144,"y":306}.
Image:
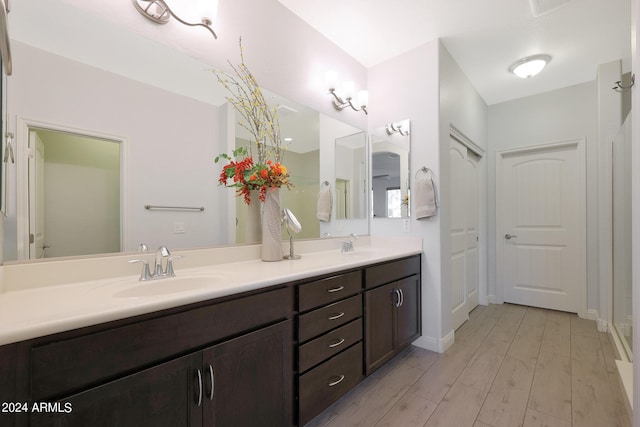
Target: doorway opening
{"x":74,"y":187}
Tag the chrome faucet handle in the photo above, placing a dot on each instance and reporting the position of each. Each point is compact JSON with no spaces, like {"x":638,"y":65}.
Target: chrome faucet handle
{"x":163,"y":252}
{"x":145,"y":274}
{"x":169,"y":271}
{"x":143,"y":248}
{"x":352,"y":237}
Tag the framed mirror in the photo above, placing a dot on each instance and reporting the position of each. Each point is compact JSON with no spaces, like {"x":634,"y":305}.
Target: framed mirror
{"x":390,"y":175}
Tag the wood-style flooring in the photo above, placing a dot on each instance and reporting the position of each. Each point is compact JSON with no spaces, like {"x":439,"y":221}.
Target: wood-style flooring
{"x":510,"y":366}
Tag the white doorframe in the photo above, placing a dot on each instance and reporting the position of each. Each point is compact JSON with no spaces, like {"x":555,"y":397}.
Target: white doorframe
{"x":579,"y":143}
{"x":22,"y":178}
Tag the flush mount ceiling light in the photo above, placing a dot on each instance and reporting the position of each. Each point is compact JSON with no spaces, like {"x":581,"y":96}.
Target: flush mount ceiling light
{"x":530,"y":66}
{"x":159,"y":12}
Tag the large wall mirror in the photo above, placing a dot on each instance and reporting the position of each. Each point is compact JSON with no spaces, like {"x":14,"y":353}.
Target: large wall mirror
{"x":390,"y":179}
{"x":161,"y":115}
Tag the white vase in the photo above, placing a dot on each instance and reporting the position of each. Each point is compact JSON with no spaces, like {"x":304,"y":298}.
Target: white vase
{"x":271,"y":226}
{"x":252,"y":226}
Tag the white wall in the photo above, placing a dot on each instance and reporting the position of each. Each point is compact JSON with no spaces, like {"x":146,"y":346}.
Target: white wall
{"x":462,"y":107}
{"x":81,"y":196}
{"x":558,"y":115}
{"x":406,"y":87}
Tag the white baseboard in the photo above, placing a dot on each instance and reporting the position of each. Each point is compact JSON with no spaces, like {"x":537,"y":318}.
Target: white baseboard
{"x":602,"y":325}
{"x":434,"y":344}
{"x":494,"y":299}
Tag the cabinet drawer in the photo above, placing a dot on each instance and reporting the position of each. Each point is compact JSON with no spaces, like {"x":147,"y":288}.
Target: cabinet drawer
{"x":329,"y":317}
{"x":325,"y":291}
{"x":322,"y":386}
{"x":329,"y":344}
{"x":68,"y":365}
{"x":391,"y":271}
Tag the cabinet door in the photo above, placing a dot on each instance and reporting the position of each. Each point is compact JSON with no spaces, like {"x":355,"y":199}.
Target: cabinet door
{"x":408,"y":315}
{"x":379,"y":325}
{"x":165,"y":395}
{"x":252,"y":379}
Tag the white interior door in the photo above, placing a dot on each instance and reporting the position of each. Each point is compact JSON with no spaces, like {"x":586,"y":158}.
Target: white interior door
{"x":464,"y":231}
{"x":36,"y":196}
{"x":541,"y":226}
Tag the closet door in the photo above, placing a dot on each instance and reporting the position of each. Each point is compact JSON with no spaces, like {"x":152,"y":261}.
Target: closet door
{"x":464,"y":231}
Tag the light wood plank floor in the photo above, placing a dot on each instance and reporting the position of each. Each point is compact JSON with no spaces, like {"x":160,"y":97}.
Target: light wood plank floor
{"x":510,"y":366}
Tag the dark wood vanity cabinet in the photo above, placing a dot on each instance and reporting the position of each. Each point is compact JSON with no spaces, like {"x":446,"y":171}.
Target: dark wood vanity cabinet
{"x":273,"y":357}
{"x":329,"y":341}
{"x":227,"y":363}
{"x":392,"y":310}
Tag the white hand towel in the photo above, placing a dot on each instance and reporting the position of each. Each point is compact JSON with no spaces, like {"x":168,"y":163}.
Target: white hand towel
{"x":424,"y":196}
{"x":324,"y":204}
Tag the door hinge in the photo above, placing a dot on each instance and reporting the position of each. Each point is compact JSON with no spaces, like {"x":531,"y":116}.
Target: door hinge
{"x":31,"y":238}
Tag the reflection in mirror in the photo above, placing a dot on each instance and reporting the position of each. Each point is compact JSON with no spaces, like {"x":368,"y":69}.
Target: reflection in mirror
{"x":350,"y":191}
{"x":390,"y":149}
{"x":621,"y":214}
{"x":76,"y":210}
{"x":119,"y":83}
{"x":299,"y":127}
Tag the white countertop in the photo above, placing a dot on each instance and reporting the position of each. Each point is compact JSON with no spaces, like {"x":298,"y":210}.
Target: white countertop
{"x":30,"y":310}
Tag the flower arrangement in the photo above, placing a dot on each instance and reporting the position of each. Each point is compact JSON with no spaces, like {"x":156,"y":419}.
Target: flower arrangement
{"x":256,"y":116}
{"x":245,"y":175}
{"x":261,"y":120}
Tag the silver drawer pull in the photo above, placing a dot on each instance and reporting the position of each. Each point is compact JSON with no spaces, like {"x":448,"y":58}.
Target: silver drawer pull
{"x":337,"y":343}
{"x":336,"y":316}
{"x":336,"y":382}
{"x":338,"y":289}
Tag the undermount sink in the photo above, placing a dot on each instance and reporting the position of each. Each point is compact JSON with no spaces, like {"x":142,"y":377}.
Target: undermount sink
{"x":167,"y":286}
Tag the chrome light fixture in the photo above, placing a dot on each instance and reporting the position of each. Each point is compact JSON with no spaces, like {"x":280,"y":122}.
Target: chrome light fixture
{"x":529,"y":66}
{"x":392,"y":128}
{"x":344,"y":100}
{"x":159,"y":12}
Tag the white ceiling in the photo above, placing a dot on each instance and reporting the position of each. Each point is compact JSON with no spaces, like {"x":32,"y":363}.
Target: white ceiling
{"x":484,"y":37}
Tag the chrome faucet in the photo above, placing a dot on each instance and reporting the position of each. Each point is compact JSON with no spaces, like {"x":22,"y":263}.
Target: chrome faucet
{"x":347,"y":246}
{"x":163,"y":252}
{"x":158,"y":271}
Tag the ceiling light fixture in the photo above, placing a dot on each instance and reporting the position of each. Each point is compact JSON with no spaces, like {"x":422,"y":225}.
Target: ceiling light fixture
{"x":344,"y":100}
{"x":159,"y":12}
{"x":528,"y":67}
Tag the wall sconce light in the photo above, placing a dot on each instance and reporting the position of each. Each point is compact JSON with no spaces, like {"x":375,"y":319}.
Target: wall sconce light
{"x":528,"y":67}
{"x":345,"y":99}
{"x":159,"y":12}
{"x":396,"y":128}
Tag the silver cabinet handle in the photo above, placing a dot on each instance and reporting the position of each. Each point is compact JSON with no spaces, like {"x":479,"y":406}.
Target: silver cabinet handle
{"x":213,"y":384}
{"x":199,"y":388}
{"x":336,"y":316}
{"x":336,"y":343}
{"x":509,"y":236}
{"x":338,"y":289}
{"x":336,"y":382}
{"x":397,"y":303}
{"x":401,"y":297}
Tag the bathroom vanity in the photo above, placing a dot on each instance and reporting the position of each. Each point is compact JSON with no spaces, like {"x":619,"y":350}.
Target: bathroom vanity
{"x":276,"y":353}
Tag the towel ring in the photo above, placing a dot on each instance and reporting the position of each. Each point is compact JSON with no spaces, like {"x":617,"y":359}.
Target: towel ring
{"x":325,"y":183}
{"x":424,"y":169}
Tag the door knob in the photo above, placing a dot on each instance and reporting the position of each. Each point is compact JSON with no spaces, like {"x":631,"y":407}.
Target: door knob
{"x":509,"y":236}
